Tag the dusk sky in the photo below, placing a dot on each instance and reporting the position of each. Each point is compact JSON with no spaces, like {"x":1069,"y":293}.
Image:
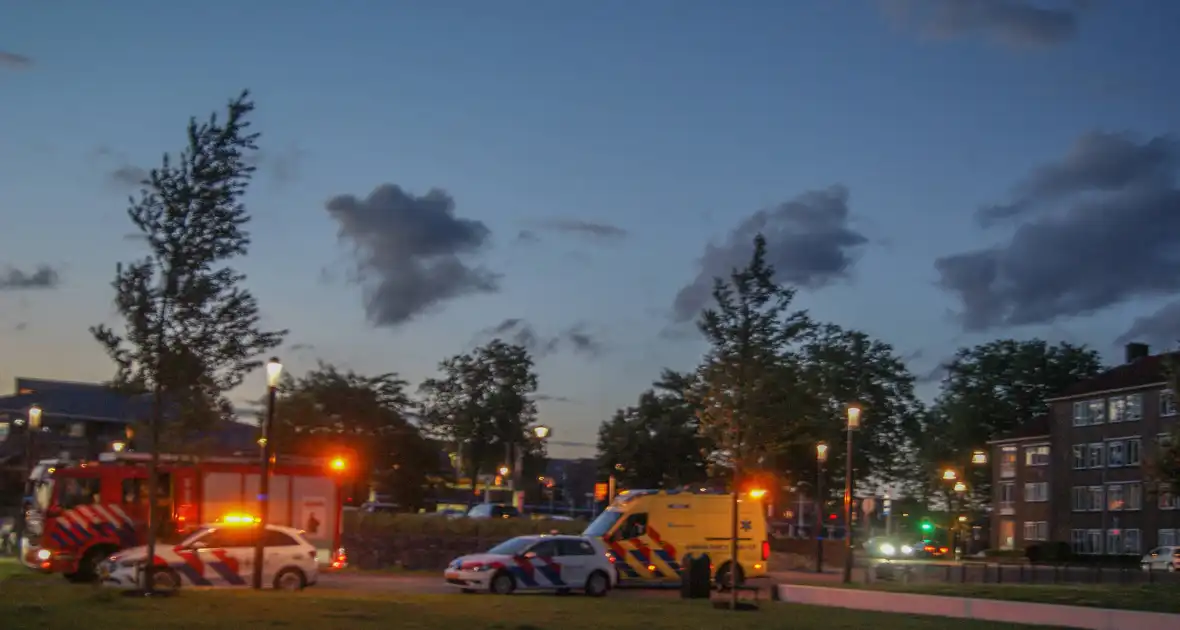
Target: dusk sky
{"x":936,"y":173}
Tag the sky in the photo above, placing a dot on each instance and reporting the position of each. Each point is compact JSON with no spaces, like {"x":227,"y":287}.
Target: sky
{"x":572,"y":175}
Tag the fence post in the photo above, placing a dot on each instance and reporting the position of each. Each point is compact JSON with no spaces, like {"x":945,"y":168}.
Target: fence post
{"x":962,"y":573}
{"x":999,"y":573}
{"x":947,"y":579}
{"x":1099,"y":577}
{"x":1020,"y":573}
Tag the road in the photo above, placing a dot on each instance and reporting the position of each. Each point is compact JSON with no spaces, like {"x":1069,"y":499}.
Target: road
{"x":417,"y":583}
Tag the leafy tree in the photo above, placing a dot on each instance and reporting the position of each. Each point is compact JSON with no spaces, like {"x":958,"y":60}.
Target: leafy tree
{"x":328,"y":408}
{"x":839,"y":367}
{"x":191,"y":332}
{"x":992,"y":389}
{"x":482,"y":405}
{"x":657,"y":442}
{"x":746,"y":393}
{"x":1166,"y":466}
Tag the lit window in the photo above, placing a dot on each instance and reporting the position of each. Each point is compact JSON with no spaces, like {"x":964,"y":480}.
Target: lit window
{"x":1036,"y":455}
{"x":1114,"y":497}
{"x":1008,"y":461}
{"x":1036,"y":530}
{"x":1114,"y":454}
{"x":1036,"y":492}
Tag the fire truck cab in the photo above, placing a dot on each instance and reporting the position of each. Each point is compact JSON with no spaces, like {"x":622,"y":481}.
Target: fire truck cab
{"x":85,"y":511}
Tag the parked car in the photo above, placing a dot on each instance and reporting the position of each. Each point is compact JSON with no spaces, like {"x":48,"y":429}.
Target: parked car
{"x":1161,"y":559}
{"x":536,"y":563}
{"x":493,"y":510}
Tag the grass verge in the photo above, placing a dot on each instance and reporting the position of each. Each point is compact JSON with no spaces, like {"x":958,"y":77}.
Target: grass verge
{"x":1147,"y":597}
{"x":28,"y":602}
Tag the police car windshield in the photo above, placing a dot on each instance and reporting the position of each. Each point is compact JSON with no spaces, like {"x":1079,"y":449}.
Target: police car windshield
{"x":513,"y":547}
{"x":603,"y":523}
{"x":197,"y":535}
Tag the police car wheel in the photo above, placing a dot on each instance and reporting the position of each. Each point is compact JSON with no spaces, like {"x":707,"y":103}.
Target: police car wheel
{"x":165,"y":580}
{"x":597,"y":584}
{"x":289,"y":580}
{"x":503,"y":584}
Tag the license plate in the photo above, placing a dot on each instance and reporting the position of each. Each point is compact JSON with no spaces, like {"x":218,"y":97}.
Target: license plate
{"x":452,"y":575}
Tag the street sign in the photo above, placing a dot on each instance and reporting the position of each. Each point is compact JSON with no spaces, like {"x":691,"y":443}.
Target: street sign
{"x":868,"y":505}
{"x":600,"y":490}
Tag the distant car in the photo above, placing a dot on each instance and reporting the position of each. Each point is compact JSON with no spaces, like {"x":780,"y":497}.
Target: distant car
{"x":1161,"y":559}
{"x":536,"y":563}
{"x":220,"y":555}
{"x":379,"y":507}
{"x":894,"y":548}
{"x":493,"y":510}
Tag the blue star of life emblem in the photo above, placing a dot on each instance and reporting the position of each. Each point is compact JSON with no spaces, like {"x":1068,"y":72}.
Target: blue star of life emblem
{"x":747,"y":526}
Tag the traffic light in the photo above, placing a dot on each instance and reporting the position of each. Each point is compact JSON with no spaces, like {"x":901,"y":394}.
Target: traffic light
{"x":927,"y":526}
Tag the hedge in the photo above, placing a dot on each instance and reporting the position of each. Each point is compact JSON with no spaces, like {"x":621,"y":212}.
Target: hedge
{"x":433,"y":525}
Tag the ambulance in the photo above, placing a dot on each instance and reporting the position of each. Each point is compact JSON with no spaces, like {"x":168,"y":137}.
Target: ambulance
{"x":648,"y":534}
{"x":85,"y":511}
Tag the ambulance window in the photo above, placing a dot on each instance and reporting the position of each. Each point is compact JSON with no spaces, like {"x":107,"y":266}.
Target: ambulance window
{"x":571,"y":547}
{"x":279,"y":539}
{"x":634,"y":527}
{"x":79,"y":491}
{"x":134,"y":490}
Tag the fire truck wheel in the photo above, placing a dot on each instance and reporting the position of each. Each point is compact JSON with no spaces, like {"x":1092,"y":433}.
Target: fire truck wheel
{"x":88,"y":566}
{"x":290,"y":580}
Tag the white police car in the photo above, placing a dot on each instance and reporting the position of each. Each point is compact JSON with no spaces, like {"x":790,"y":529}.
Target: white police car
{"x":536,"y":563}
{"x":220,"y":555}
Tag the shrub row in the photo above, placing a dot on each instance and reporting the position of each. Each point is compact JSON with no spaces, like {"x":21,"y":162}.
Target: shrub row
{"x":432,"y":525}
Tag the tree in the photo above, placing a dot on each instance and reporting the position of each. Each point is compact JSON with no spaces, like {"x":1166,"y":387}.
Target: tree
{"x":840,"y":367}
{"x":191,"y":332}
{"x":990,"y":390}
{"x":1166,"y":467}
{"x":657,"y":442}
{"x":328,"y":409}
{"x":482,"y":405}
{"x":747,"y":392}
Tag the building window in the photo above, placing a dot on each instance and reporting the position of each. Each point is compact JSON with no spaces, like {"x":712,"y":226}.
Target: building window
{"x":4,"y":428}
{"x":1008,"y":461}
{"x":1127,"y":408}
{"x":78,"y":430}
{"x":1036,"y":530}
{"x":1007,"y":496}
{"x":1093,"y":541}
{"x":1095,"y":459}
{"x":1096,"y":498}
{"x":1087,"y":412}
{"x":1081,"y":499}
{"x":1134,"y":448}
{"x":1037,"y":492}
{"x":1114,"y":497}
{"x":1114,"y":454}
{"x":1164,"y":440}
{"x":1131,"y":541}
{"x":1167,"y":403}
{"x":1114,"y":541}
{"x":1167,"y":500}
{"x":1165,"y":538}
{"x":1134,"y":496}
{"x":1079,"y":456}
{"x":1077,"y":540}
{"x":1007,"y":534}
{"x":1036,"y":455}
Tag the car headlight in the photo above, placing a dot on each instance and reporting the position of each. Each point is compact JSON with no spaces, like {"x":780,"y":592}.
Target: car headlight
{"x":907,"y":550}
{"x":888,"y":549}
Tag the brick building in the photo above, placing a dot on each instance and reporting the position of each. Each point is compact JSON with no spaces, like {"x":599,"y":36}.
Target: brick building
{"x":1081,"y":474}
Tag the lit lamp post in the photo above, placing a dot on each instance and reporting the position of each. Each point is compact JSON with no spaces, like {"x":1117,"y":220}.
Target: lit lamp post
{"x":821,"y":457}
{"x":274,"y":369}
{"x":853,"y":424}
{"x":978,"y":458}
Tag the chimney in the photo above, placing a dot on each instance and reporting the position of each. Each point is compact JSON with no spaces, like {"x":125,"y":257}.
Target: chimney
{"x":1136,"y":351}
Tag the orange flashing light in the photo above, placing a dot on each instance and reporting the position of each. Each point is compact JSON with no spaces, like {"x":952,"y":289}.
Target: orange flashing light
{"x":239,"y":519}
{"x":757,"y":493}
{"x":339,"y":464}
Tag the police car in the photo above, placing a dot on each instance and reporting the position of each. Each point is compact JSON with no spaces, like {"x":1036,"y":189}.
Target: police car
{"x":536,"y":563}
{"x":220,"y":555}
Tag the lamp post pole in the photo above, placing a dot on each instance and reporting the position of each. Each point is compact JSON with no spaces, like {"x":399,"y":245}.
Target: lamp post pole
{"x":32,"y":427}
{"x":821,"y":456}
{"x":273,"y":370}
{"x":853,"y":423}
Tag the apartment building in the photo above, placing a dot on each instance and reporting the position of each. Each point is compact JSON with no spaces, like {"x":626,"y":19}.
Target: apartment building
{"x":1080,"y":475}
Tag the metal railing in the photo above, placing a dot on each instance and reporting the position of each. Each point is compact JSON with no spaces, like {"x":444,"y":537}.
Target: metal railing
{"x":1016,"y":573}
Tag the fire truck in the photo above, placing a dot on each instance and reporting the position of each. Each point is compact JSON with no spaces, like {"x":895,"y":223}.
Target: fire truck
{"x":83,"y":511}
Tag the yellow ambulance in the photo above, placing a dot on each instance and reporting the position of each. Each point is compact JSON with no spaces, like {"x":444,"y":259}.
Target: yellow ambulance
{"x":648,"y":533}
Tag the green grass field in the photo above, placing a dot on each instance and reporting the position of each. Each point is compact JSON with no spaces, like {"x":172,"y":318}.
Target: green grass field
{"x":28,"y":602}
{"x":1150,"y":597}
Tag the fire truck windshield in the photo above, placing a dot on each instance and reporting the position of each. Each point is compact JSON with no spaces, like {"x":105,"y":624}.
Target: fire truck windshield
{"x":42,"y":493}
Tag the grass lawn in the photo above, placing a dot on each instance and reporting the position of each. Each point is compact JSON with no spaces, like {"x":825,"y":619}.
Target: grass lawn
{"x":9,"y":566}
{"x":1151,"y":597}
{"x":28,"y":602}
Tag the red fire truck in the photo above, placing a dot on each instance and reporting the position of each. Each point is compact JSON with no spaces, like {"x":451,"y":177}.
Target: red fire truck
{"x":85,"y":511}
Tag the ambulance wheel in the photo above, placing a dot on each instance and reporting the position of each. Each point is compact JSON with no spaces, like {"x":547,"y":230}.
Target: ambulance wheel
{"x":598,"y":584}
{"x":724,"y":581}
{"x":290,"y":579}
{"x":503,"y":583}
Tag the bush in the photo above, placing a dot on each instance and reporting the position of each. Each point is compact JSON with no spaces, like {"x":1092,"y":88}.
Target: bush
{"x":1049,"y":552}
{"x":432,"y":525}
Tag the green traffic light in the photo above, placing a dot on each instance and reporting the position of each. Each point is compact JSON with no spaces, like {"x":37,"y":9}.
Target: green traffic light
{"x":927,"y":527}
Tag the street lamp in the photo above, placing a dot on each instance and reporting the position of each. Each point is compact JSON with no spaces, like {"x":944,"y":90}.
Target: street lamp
{"x":949,"y":475}
{"x":118,"y":446}
{"x":821,"y":457}
{"x":854,"y":412}
{"x":32,"y":427}
{"x":35,"y":418}
{"x":504,"y":470}
{"x":979,"y":458}
{"x":542,"y":432}
{"x":274,"y":370}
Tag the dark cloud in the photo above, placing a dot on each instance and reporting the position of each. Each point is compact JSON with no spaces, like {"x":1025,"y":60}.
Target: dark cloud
{"x":21,"y":326}
{"x":13,"y":60}
{"x":527,"y":236}
{"x":300,"y":347}
{"x":1161,"y":328}
{"x":1101,"y":234}
{"x":604,"y":231}
{"x":549,"y":398}
{"x":1017,"y":23}
{"x":808,"y":240}
{"x":280,"y":167}
{"x":1097,"y":162}
{"x":43,"y":277}
{"x":128,"y":176}
{"x":409,"y":251}
{"x":519,"y":331}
